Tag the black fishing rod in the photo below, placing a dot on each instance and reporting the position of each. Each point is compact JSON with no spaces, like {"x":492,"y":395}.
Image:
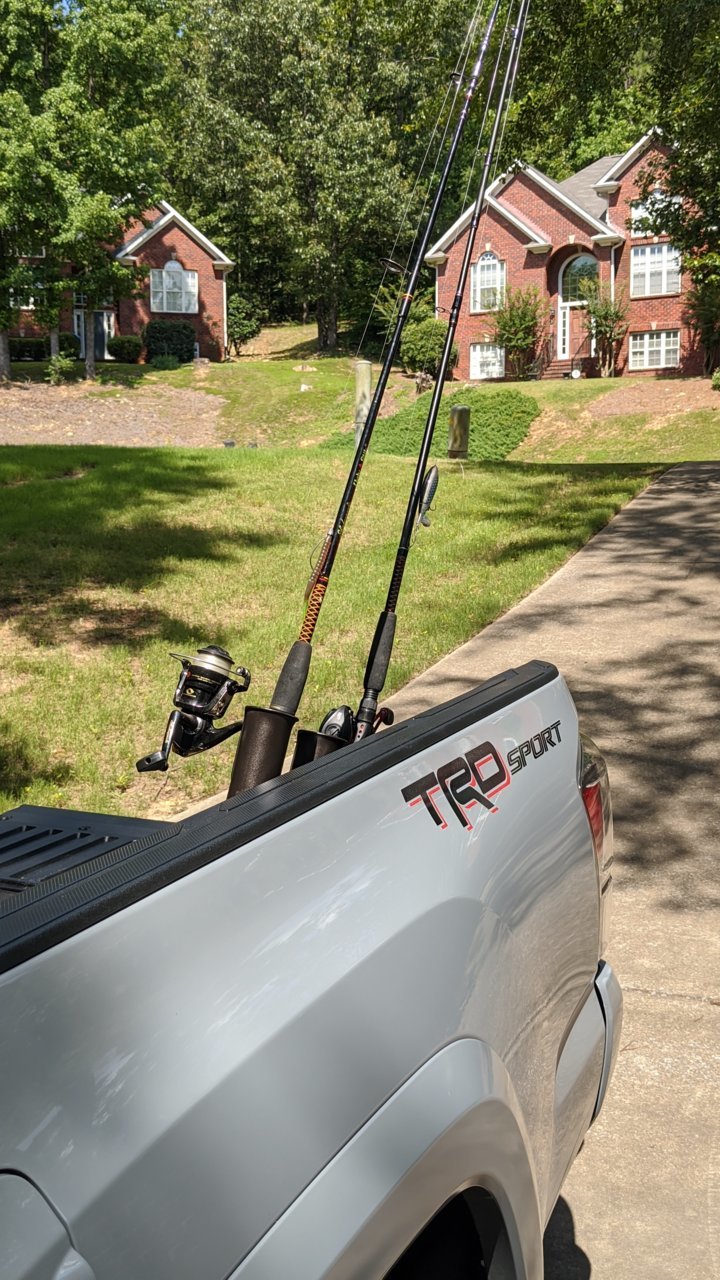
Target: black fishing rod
{"x":423,"y":486}
{"x":266,"y":730}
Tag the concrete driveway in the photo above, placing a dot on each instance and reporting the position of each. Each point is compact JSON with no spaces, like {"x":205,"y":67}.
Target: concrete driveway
{"x":633,"y":622}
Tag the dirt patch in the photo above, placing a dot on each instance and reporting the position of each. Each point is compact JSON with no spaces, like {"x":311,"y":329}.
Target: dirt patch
{"x":32,"y":413}
{"x":662,"y":396}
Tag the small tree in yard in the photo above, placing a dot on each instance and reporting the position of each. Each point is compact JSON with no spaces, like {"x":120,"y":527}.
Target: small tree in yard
{"x":703,"y":306}
{"x":243,"y":322}
{"x":606,"y":322}
{"x":521,"y":324}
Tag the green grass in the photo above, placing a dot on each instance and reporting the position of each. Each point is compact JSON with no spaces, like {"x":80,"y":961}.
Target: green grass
{"x":684,"y":437}
{"x":498,"y":422}
{"x":112,"y":557}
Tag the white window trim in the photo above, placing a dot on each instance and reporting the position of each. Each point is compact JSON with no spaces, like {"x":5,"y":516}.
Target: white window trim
{"x":160,"y":281}
{"x":498,"y":358}
{"x":668,"y":260}
{"x":663,"y":335}
{"x":499,"y":287}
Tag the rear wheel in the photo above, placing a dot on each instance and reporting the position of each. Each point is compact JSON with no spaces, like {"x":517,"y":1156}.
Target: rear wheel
{"x":448,"y":1249}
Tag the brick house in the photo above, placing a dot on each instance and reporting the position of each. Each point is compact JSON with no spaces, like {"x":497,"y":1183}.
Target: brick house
{"x":186,"y":280}
{"x":552,"y":234}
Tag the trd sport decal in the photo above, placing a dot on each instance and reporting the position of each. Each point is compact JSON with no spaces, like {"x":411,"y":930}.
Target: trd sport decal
{"x":476,"y":777}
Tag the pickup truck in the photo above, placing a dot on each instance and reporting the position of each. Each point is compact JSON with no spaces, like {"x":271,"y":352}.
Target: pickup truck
{"x":352,"y":1024}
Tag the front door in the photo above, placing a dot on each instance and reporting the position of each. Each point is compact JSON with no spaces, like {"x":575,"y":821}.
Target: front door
{"x":104,"y":328}
{"x":571,"y":308}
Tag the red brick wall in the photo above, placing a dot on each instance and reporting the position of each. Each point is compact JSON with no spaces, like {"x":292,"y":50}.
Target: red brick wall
{"x":666,"y":311}
{"x":569,"y":234}
{"x":133,"y":313}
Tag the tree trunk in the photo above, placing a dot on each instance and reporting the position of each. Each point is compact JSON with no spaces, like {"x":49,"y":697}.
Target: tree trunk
{"x":55,"y":340}
{"x":4,"y":355}
{"x":89,"y":344}
{"x":327,"y":323}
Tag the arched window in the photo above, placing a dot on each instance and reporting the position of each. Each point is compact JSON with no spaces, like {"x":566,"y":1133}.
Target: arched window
{"x":583,"y":268}
{"x":487,"y":283}
{"x":173,"y":289}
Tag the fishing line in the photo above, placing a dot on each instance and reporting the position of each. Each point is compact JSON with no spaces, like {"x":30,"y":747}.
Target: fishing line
{"x":266,"y":730}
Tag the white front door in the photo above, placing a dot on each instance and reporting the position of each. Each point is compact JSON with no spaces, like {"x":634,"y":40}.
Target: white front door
{"x":571,"y":329}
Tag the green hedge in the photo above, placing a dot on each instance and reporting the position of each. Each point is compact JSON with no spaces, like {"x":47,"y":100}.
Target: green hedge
{"x":170,"y":338}
{"x":499,"y":421}
{"x":29,"y":348}
{"x":39,"y":348}
{"x":125,"y":347}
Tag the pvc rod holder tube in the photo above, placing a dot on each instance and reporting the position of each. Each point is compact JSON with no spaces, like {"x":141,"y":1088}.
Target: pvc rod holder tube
{"x":311,"y":745}
{"x":262,"y":748}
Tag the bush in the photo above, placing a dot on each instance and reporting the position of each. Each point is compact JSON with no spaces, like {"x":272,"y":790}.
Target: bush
{"x":243,"y":322}
{"x":715,"y":380}
{"x":60,"y":369}
{"x":125,"y":347}
{"x":521,"y":323}
{"x":70,"y":345}
{"x":499,"y":420}
{"x":165,"y":362}
{"x":421,"y":347}
{"x":170,"y":338}
{"x":29,"y":348}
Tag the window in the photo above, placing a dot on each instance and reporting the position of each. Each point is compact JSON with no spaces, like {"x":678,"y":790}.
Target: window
{"x":583,"y":268}
{"x":173,"y":289}
{"x":486,"y":361}
{"x":487,"y":283}
{"x":25,"y":299}
{"x":655,"y":268}
{"x":641,"y":212}
{"x":657,"y":350}
{"x":80,"y":301}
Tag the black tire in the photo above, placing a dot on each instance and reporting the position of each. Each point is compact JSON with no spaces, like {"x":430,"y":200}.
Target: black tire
{"x":448,"y":1249}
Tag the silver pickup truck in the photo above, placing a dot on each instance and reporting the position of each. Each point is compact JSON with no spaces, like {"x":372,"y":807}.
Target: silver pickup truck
{"x":351,"y":1024}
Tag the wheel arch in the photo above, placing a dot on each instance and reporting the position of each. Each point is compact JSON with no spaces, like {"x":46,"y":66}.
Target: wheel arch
{"x":453,"y":1130}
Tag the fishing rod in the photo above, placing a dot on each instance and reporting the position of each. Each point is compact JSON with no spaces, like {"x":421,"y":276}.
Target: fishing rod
{"x":424,"y":485}
{"x":266,"y":730}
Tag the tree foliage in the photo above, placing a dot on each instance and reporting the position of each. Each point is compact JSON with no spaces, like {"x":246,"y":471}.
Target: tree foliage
{"x":521,"y":327}
{"x":605,"y":320}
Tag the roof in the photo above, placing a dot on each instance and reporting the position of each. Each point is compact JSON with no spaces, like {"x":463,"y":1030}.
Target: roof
{"x":167,"y":216}
{"x":537,"y":240}
{"x":554,"y":189}
{"x":609,"y":180}
{"x":580,"y":186}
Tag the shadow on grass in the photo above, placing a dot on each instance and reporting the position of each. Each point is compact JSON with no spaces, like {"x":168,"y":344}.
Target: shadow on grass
{"x":22,"y":767}
{"x":65,"y":545}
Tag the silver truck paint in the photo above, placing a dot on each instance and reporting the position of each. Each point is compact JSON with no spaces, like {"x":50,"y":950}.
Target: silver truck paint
{"x":329,"y":1031}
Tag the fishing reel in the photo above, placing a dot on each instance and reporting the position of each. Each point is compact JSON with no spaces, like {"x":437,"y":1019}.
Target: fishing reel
{"x":208,"y":682}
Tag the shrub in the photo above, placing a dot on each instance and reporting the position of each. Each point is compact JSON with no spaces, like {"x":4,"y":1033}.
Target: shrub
{"x":70,"y":345}
{"x":243,"y":322}
{"x":29,"y":348}
{"x":499,"y":420}
{"x":169,"y":338}
{"x":521,"y":323}
{"x":125,"y":347}
{"x":605,"y":319}
{"x":60,"y":369}
{"x":421,"y":347}
{"x":715,"y":380}
{"x":165,"y":362}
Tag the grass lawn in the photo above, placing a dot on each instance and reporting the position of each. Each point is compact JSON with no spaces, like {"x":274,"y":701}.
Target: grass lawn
{"x":112,"y":557}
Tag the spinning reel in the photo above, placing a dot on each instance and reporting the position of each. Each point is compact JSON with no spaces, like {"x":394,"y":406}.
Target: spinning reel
{"x":208,"y":682}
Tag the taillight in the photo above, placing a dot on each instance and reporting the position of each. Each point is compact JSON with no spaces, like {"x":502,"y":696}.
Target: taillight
{"x":592,"y":799}
{"x":595,"y":792}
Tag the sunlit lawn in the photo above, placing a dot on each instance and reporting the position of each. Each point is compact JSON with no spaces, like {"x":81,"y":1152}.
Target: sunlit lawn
{"x":112,"y":557}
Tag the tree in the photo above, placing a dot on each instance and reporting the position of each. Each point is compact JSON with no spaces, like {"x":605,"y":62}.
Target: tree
{"x":30,"y":200}
{"x":521,"y":326}
{"x":605,"y":320}
{"x":703,"y":307}
{"x":120,"y":67}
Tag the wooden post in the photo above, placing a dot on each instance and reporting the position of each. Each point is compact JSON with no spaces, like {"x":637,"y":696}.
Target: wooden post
{"x":363,"y":394}
{"x":459,"y":432}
